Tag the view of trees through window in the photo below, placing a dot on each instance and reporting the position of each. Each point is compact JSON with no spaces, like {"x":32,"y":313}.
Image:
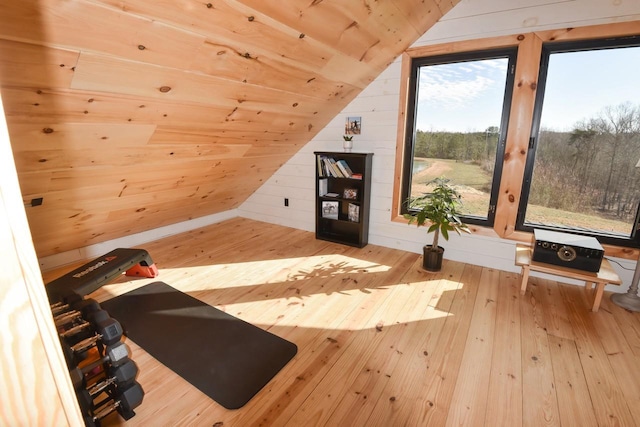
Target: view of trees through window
{"x":587,"y":160}
{"x":457,"y":118}
{"x":466,"y":159}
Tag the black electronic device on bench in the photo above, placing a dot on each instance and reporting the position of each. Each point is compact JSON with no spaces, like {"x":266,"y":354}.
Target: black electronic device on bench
{"x":91,"y":276}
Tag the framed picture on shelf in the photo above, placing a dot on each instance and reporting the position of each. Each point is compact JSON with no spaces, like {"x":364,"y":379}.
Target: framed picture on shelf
{"x":354,"y":212}
{"x":350,"y":194}
{"x":330,"y":210}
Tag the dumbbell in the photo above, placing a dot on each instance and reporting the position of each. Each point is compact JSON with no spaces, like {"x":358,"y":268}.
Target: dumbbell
{"x":107,"y":331}
{"x":119,"y":377}
{"x":124,"y":402}
{"x":114,"y":355}
{"x":71,"y":330}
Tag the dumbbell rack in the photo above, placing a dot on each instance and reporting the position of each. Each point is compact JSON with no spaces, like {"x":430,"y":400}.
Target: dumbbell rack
{"x":100,"y":366}
{"x":101,"y":369}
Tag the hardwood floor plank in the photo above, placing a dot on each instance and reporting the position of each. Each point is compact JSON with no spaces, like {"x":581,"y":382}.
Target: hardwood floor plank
{"x":571,"y":385}
{"x":629,"y":322}
{"x":381,"y":342}
{"x":444,"y":357}
{"x":621,"y":358}
{"x":469,"y":402}
{"x":377,"y":291}
{"x":556,"y":315}
{"x":539,"y":400}
{"x":606,"y":395}
{"x":400,"y":352}
{"x":505,"y":395}
{"x":364,"y":336}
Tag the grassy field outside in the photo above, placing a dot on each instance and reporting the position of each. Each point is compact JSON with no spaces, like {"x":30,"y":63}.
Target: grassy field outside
{"x":474,"y":184}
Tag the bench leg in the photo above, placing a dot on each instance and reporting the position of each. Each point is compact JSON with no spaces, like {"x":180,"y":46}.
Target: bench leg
{"x":598,"y":297}
{"x":588,"y":285}
{"x":525,"y":279}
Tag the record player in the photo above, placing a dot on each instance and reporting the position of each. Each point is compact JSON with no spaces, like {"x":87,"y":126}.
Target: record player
{"x":567,"y":250}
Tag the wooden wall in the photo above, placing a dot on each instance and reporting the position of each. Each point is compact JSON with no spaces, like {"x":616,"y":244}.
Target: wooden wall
{"x":35,"y":387}
{"x":129,"y":115}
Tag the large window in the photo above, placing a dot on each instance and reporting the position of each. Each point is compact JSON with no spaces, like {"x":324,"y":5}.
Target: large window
{"x":456,"y":126}
{"x":583,"y":167}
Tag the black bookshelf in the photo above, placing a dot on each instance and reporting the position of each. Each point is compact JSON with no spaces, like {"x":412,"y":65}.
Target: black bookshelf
{"x":343,"y":194}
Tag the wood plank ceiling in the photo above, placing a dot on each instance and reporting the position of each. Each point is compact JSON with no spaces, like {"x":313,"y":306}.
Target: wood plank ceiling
{"x":129,"y":115}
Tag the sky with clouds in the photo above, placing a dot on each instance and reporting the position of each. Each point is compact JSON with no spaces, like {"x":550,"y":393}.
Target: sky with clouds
{"x":467,"y":96}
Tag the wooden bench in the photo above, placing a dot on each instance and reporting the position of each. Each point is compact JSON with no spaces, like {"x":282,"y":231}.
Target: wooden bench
{"x":606,"y":275}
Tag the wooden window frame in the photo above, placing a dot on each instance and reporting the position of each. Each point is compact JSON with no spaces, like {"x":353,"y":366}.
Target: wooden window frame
{"x":509,"y":54}
{"x":521,"y":118}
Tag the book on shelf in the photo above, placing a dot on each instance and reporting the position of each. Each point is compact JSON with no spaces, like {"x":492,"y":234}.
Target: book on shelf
{"x":323,"y":186}
{"x":331,"y":195}
{"x":343,"y":170}
{"x":344,"y":166}
{"x":330,"y":167}
{"x":336,"y":169}
{"x":320,"y":166}
{"x":354,"y":212}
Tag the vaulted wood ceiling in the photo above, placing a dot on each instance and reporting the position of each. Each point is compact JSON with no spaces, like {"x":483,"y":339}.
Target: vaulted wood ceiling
{"x":129,"y":115}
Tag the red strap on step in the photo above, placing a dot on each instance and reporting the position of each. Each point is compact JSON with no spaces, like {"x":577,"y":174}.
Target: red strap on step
{"x":143,"y":271}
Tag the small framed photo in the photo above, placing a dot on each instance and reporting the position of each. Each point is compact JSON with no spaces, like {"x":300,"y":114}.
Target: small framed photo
{"x":353,"y":126}
{"x":350,"y":194}
{"x":330,"y":210}
{"x":354,"y":212}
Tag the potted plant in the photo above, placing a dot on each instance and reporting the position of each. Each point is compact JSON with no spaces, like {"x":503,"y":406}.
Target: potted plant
{"x":348,"y":143}
{"x":440,"y":209}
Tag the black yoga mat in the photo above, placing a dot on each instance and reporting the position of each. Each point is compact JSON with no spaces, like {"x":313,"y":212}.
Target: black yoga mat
{"x":226,"y":358}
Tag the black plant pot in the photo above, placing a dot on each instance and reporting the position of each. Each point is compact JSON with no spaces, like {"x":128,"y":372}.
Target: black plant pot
{"x":432,"y":260}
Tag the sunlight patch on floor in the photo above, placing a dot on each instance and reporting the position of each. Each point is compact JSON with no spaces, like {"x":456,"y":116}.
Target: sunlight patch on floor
{"x":252,"y":273}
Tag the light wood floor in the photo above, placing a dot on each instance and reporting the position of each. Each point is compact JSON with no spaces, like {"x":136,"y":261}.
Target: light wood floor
{"x":384,"y":343}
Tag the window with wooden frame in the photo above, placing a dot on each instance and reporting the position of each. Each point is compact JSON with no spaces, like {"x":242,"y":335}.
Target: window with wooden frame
{"x":456,"y":127}
{"x":516,"y":167}
{"x":582,"y":173}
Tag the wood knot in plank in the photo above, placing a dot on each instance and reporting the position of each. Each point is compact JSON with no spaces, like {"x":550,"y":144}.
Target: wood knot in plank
{"x":47,"y":130}
{"x":165,"y":89}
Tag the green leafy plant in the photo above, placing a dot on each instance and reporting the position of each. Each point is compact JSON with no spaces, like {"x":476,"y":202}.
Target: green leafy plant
{"x":440,"y":208}
{"x":347,"y":137}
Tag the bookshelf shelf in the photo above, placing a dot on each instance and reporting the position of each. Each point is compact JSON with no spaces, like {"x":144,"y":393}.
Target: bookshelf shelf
{"x":343,"y":193}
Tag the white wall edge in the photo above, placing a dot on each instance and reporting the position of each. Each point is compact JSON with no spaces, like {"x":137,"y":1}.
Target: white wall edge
{"x":99,"y":249}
